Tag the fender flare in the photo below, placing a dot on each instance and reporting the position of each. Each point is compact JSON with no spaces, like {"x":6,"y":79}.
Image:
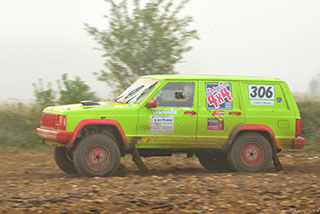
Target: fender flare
{"x":87,"y":122}
{"x":252,"y":127}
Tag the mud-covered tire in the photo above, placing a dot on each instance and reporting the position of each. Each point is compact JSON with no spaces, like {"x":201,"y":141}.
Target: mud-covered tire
{"x":97,"y":155}
{"x":213,"y":161}
{"x":250,"y":152}
{"x":64,"y":160}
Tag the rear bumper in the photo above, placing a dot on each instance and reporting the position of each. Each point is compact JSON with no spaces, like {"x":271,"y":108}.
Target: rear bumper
{"x":55,"y":136}
{"x":298,"y":143}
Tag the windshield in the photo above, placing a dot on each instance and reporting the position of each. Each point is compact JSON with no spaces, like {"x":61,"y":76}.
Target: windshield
{"x":137,"y":91}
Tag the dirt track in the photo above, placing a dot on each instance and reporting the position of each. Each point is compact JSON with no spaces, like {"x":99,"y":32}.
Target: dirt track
{"x":31,"y":183}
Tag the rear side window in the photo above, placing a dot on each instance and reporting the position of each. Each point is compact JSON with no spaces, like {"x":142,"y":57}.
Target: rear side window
{"x":176,"y":94}
{"x":263,"y":96}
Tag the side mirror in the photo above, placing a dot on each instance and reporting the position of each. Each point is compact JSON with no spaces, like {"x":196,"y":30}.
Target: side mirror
{"x":152,"y":103}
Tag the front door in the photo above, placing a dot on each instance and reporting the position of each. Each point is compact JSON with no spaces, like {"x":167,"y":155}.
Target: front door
{"x":172,"y":124}
{"x":220,"y":111}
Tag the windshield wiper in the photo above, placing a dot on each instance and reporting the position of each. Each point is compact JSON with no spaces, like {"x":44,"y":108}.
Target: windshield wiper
{"x":130,"y":93}
{"x":143,"y":92}
{"x":146,"y":90}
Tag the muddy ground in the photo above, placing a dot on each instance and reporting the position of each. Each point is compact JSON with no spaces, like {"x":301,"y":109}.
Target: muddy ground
{"x":32,"y":183}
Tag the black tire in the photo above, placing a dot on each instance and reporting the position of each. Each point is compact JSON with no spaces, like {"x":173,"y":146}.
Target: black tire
{"x":250,"y":152}
{"x":63,"y":159}
{"x":97,"y":155}
{"x":213,"y":161}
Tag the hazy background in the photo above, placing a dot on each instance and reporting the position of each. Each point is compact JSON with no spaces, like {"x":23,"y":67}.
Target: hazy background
{"x":44,"y":39}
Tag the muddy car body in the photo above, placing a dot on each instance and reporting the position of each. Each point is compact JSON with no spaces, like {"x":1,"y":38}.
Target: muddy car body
{"x":237,"y":122}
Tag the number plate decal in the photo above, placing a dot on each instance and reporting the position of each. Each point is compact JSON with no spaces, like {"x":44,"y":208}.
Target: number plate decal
{"x":261,"y":92}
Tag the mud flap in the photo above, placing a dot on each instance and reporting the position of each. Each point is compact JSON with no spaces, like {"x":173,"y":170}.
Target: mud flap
{"x":137,"y":159}
{"x":276,"y":161}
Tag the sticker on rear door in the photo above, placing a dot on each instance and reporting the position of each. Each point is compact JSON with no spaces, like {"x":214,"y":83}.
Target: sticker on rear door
{"x":219,"y":95}
{"x":262,"y":102}
{"x":261,"y":92}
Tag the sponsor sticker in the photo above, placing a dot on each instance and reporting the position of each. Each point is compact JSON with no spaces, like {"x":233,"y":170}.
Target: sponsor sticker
{"x":262,"y":102}
{"x":218,"y":113}
{"x":161,"y":124}
{"x":218,"y":95}
{"x":171,"y":111}
{"x":214,"y":123}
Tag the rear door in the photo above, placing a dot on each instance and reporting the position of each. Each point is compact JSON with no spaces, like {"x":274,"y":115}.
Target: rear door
{"x":220,"y":111}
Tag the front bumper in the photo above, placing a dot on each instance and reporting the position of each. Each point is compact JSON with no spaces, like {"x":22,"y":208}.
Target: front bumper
{"x":54,"y":136}
{"x":298,"y":143}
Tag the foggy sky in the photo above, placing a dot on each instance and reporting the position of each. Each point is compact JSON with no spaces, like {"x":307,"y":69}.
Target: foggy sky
{"x":272,"y":38}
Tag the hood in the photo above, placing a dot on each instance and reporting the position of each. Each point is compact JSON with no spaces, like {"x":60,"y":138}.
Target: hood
{"x":74,"y":107}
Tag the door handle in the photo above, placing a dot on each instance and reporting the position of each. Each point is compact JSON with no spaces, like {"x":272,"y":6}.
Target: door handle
{"x":190,"y":112}
{"x":236,"y":112}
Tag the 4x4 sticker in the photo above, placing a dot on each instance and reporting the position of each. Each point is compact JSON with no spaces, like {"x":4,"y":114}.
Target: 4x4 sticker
{"x":218,"y":95}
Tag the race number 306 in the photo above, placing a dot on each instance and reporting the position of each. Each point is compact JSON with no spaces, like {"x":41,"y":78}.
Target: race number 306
{"x":265,"y":92}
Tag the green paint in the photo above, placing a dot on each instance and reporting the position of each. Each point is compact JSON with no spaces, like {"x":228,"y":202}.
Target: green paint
{"x":271,"y":103}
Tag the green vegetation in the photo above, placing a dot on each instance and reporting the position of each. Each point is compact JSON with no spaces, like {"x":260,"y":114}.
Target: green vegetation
{"x":142,"y":39}
{"x":69,"y":91}
{"x":74,"y":91}
{"x":18,"y":122}
{"x":310,"y":114}
{"x":44,"y":96}
{"x":18,"y":125}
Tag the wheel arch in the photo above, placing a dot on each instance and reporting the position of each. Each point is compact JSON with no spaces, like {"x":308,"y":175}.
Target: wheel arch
{"x":104,"y":126}
{"x":264,"y":130}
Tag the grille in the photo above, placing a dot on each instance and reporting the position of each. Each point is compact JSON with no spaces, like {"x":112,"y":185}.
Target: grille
{"x":49,"y":120}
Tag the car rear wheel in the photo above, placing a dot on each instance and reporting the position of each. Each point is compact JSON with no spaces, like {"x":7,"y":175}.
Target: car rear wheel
{"x":63,"y":159}
{"x":250,"y":152}
{"x":97,"y":155}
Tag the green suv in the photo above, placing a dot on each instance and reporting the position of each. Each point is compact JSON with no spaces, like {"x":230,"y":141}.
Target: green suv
{"x":240,"y":123}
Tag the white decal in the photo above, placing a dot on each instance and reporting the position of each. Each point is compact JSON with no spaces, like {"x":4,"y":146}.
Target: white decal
{"x":161,"y":124}
{"x":261,"y":102}
{"x":171,"y":111}
{"x":263,"y":92}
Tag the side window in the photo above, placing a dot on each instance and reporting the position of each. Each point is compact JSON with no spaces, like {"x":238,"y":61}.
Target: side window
{"x":176,"y":94}
{"x":219,"y":95}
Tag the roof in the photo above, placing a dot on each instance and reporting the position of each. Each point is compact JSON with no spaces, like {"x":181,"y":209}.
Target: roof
{"x":207,"y":76}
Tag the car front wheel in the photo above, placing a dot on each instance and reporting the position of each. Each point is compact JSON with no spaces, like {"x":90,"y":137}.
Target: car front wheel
{"x":97,"y":155}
